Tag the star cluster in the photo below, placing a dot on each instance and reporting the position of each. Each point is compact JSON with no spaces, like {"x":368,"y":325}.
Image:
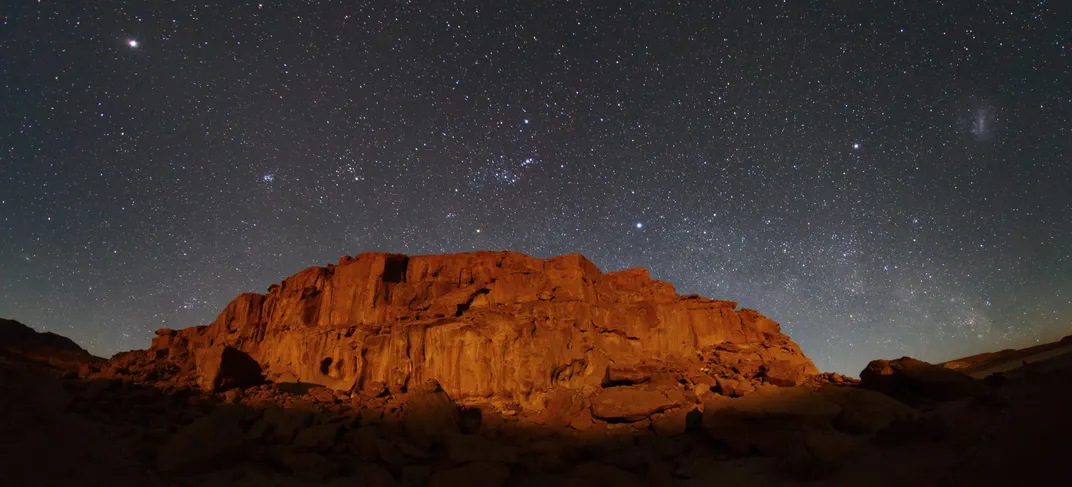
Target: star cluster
{"x":882,"y":179}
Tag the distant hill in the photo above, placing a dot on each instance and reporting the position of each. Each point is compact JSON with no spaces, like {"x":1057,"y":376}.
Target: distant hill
{"x":987,"y":363}
{"x":57,"y":350}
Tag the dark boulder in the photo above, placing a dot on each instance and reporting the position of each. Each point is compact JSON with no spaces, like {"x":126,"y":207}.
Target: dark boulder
{"x":220,"y":368}
{"x":913,"y":381}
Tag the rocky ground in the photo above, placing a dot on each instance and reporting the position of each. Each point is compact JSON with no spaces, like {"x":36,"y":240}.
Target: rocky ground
{"x":907,"y":423}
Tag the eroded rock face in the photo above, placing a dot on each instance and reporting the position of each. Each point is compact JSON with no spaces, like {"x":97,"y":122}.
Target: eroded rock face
{"x":497,"y":327}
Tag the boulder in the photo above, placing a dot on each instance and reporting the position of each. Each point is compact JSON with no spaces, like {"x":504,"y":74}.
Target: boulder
{"x":785,"y":373}
{"x":367,"y":415}
{"x":563,"y":405}
{"x":470,"y":420}
{"x":913,"y":380}
{"x":864,"y":411}
{"x":817,"y":453}
{"x":362,"y":441}
{"x":321,"y":395}
{"x":764,"y":421}
{"x":222,"y":367}
{"x":209,"y":441}
{"x":430,"y":416}
{"x":280,"y":425}
{"x":620,"y":374}
{"x":633,"y":403}
{"x":389,"y":453}
{"x":735,"y":387}
{"x":672,"y":422}
{"x":410,"y":450}
{"x":959,"y":421}
{"x":583,"y":420}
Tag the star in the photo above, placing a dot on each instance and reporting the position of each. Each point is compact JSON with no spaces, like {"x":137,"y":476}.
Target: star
{"x":782,"y":209}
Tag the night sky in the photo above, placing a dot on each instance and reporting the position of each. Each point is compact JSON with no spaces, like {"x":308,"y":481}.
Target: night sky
{"x":882,"y":178}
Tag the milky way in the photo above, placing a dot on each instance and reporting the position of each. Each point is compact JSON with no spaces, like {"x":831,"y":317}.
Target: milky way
{"x":881,"y":182}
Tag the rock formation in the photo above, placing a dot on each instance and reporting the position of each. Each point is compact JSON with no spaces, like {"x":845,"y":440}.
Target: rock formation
{"x":498,"y":328}
{"x":498,"y":369}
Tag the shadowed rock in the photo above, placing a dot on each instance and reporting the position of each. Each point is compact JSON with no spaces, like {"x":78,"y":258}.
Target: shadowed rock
{"x":56,"y":350}
{"x":761,"y":421}
{"x":633,"y":403}
{"x":913,"y":380}
{"x":209,"y":442}
{"x":221,"y":367}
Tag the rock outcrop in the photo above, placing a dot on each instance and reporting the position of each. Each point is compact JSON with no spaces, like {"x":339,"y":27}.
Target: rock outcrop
{"x":500,"y":328}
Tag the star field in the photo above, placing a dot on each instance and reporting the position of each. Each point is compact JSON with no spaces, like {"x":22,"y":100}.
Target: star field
{"x":883,"y":179}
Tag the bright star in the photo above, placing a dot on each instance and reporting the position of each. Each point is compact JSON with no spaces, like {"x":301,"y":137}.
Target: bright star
{"x":639,"y":225}
{"x":132,"y":43}
{"x":856,"y":145}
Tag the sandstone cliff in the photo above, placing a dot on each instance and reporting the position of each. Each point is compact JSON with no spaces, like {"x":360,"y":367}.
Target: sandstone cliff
{"x":495,"y":327}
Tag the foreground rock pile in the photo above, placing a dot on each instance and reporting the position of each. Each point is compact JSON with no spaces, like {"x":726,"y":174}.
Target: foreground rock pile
{"x":289,"y":434}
